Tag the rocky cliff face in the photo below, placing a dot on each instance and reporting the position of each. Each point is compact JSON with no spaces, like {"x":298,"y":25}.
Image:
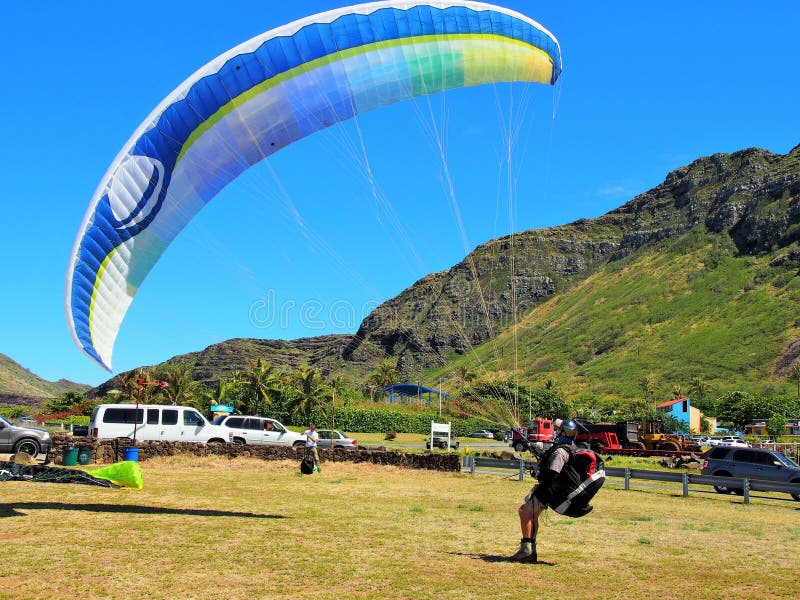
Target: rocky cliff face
{"x":753,"y":195}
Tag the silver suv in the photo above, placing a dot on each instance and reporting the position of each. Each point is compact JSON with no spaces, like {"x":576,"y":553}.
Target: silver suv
{"x":21,"y":438}
{"x":751,"y":463}
{"x":258,"y":430}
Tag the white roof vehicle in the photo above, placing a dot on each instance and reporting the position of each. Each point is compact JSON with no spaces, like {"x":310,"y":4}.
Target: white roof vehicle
{"x":154,"y":422}
{"x":733,"y":441}
{"x":245,"y":429}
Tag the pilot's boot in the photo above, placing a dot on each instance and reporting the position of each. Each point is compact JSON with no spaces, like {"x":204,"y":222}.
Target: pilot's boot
{"x":526,"y":552}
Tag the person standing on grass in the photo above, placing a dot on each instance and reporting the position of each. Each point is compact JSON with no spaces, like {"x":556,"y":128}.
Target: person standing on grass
{"x":544,"y":492}
{"x":312,"y":437}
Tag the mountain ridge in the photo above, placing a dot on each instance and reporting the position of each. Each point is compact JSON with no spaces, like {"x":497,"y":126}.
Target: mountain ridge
{"x":739,"y":210}
{"x":19,"y":386}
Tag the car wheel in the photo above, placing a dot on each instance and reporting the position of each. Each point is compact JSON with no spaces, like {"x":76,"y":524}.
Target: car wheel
{"x":216,"y":441}
{"x":298,"y":444}
{"x":796,"y":496}
{"x":519,"y":446}
{"x":28,"y":446}
{"x":455,"y":446}
{"x":722,"y":489}
{"x":238,"y":441}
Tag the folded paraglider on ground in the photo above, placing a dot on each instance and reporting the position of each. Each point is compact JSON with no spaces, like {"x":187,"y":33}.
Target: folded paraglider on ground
{"x":117,"y":475}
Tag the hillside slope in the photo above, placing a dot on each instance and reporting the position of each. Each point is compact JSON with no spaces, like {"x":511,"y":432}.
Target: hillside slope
{"x":697,"y":277}
{"x":19,"y":386}
{"x":752,"y":196}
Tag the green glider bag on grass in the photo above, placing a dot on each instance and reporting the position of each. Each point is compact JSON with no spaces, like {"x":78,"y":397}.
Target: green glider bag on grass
{"x":126,"y":473}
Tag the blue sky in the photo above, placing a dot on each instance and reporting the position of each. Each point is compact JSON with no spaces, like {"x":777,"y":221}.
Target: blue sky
{"x":303,"y":245}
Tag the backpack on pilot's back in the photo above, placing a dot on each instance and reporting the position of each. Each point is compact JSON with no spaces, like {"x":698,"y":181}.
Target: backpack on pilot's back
{"x":581,"y":478}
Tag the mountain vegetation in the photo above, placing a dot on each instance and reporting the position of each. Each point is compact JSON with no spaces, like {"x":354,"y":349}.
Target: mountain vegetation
{"x":21,"y":387}
{"x":690,"y":288}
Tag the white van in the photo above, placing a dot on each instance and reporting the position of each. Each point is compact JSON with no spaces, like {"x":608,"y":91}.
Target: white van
{"x":154,"y":422}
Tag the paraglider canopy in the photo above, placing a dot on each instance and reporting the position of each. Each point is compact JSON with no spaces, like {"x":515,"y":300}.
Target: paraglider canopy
{"x":261,"y":96}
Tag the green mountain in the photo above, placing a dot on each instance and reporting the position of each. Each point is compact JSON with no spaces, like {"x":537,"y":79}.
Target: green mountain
{"x":19,"y":386}
{"x":696,"y":278}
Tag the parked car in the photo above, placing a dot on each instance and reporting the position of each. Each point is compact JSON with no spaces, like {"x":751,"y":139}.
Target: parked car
{"x":155,"y":422}
{"x":245,"y":429}
{"x":755,"y":464}
{"x":701,"y":440}
{"x":732,"y":440}
{"x":22,"y":438}
{"x":441,"y":442}
{"x":339,"y":439}
{"x":482,"y":433}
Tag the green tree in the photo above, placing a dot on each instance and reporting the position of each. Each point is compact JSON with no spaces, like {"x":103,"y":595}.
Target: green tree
{"x":547,"y":402}
{"x":222,"y":393}
{"x":309,"y":391}
{"x":776,"y":426}
{"x":465,"y":375}
{"x":384,"y":375}
{"x":741,"y":408}
{"x":344,"y":392}
{"x":129,"y":389}
{"x":261,"y":385}
{"x":697,"y":388}
{"x":65,"y":402}
{"x":705,"y":426}
{"x":181,"y":388}
{"x":794,"y":377}
{"x":648,"y":385}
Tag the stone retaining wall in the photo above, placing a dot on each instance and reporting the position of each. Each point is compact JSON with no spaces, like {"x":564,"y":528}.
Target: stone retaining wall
{"x":107,"y":451}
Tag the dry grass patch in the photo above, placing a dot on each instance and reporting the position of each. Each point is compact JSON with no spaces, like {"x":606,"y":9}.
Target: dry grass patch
{"x":216,"y":528}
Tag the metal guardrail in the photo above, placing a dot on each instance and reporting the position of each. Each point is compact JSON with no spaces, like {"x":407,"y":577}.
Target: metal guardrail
{"x":520,"y":466}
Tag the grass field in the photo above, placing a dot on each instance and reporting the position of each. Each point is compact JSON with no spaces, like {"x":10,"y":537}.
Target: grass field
{"x":216,"y":528}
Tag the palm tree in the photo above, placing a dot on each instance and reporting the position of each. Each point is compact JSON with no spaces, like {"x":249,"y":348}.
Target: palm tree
{"x":181,"y":387}
{"x":309,"y":391}
{"x":648,"y":385}
{"x":220,"y":394}
{"x":130,"y":389}
{"x":698,"y":387}
{"x":384,"y":375}
{"x":794,"y":377}
{"x":261,"y":383}
{"x":339,"y":386}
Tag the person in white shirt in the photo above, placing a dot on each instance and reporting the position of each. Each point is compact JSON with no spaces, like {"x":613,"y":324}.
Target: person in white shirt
{"x":312,"y":437}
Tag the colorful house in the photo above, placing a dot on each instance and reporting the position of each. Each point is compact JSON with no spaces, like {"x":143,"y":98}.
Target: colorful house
{"x":759,"y":427}
{"x":682,"y":410}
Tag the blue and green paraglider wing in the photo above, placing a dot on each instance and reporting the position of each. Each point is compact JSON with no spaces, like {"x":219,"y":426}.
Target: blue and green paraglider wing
{"x":260,"y":97}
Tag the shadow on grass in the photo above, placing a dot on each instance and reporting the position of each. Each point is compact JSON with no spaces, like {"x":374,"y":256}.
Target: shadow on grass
{"x":493,"y":558}
{"x":13,"y":509}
